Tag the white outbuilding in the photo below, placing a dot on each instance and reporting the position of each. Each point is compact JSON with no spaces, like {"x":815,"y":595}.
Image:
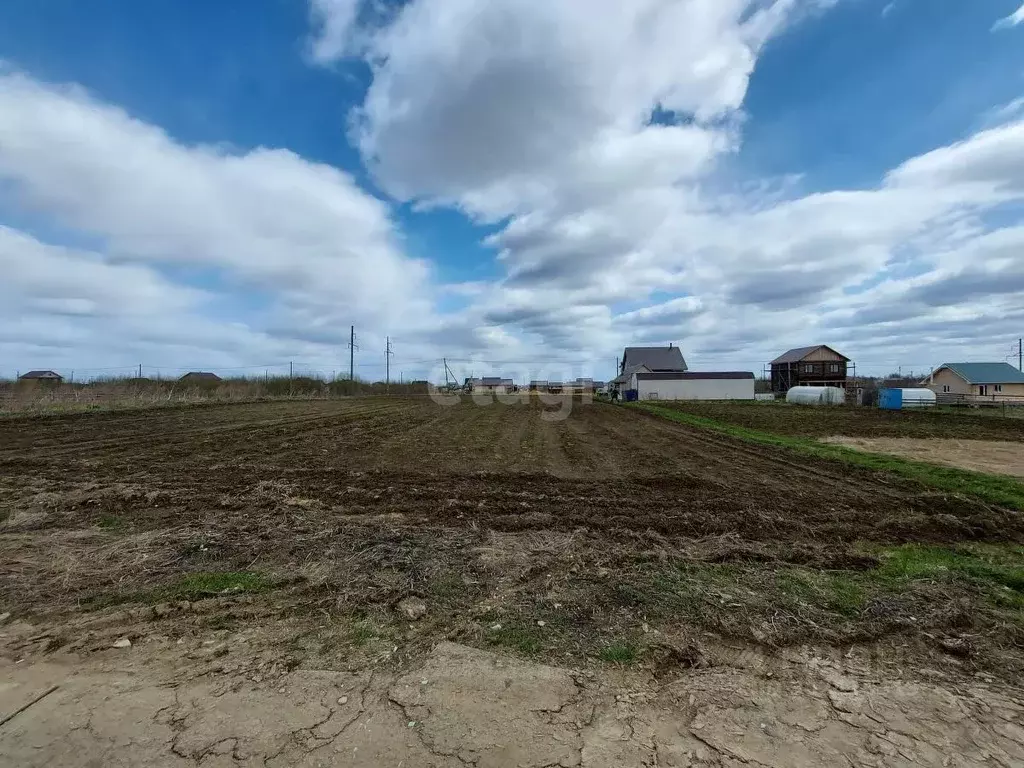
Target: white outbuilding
{"x":693,"y":385}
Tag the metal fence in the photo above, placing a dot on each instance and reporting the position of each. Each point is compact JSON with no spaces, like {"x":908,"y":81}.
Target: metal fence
{"x":997,"y":400}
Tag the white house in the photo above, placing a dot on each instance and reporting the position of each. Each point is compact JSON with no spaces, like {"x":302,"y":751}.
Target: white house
{"x":647,"y":360}
{"x":661,"y":373}
{"x":495,"y":384}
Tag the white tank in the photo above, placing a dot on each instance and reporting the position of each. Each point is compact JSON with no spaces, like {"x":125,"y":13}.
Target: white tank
{"x":917,"y":397}
{"x":816,"y":396}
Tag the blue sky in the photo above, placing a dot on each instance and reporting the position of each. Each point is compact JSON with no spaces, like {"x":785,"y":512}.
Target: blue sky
{"x":231,"y":185}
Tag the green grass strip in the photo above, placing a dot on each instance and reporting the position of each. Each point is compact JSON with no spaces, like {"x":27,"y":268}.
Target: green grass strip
{"x":1002,"y":567}
{"x":995,"y":489}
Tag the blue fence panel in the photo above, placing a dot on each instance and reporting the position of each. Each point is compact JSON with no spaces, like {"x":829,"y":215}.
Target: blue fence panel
{"x":890,"y":399}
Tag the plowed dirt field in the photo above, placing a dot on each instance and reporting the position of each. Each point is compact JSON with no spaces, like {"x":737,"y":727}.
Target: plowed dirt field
{"x":496,"y":516}
{"x":782,"y":418}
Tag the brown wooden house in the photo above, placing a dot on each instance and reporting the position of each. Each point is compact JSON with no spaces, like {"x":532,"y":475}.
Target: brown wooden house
{"x":817,"y":366}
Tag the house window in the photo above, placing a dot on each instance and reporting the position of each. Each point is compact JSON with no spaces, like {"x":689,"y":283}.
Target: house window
{"x":808,"y":367}
{"x":833,"y":367}
{"x":982,"y":390}
{"x":945,"y":387}
{"x":999,"y":387}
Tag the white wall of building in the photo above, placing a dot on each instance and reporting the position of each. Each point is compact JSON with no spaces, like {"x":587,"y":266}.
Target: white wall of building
{"x":693,"y":389}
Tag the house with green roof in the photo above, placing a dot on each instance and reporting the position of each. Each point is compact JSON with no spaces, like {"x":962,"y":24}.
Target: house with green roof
{"x":996,"y":381}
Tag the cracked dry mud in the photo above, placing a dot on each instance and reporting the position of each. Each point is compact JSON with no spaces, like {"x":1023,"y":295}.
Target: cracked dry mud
{"x":466,"y":707}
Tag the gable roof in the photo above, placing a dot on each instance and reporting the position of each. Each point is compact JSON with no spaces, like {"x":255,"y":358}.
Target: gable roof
{"x":40,"y":375}
{"x":623,"y":377}
{"x":985,"y":373}
{"x":797,"y":354}
{"x":656,"y":358}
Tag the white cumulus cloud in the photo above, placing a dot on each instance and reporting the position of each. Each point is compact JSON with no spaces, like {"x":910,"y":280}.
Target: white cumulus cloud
{"x":1015,"y":18}
{"x":594,"y":133}
{"x":298,"y":243}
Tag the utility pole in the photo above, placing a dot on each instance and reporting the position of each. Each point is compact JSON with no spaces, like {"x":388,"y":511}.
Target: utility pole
{"x":445,"y":361}
{"x":1020,"y":354}
{"x":140,"y":370}
{"x":387,"y":363}
{"x":352,"y":354}
{"x":289,"y":378}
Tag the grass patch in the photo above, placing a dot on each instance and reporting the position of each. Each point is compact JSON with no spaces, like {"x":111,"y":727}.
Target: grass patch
{"x":1001,"y":567}
{"x":192,"y":586}
{"x":110,"y":523}
{"x":448,"y":587}
{"x":524,"y":639}
{"x":363,"y":632}
{"x":197,"y":585}
{"x":995,"y":489}
{"x":779,"y":604}
{"x":835,"y":592}
{"x":619,"y":653}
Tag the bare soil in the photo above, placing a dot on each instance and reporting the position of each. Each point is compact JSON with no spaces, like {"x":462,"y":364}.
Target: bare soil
{"x":1001,"y":458}
{"x":851,"y":421}
{"x":611,"y":534}
{"x":459,"y":706}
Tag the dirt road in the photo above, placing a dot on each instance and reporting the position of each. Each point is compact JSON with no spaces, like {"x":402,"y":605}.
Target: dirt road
{"x":995,"y":457}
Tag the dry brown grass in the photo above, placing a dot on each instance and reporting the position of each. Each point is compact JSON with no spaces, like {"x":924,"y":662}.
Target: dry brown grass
{"x":35,"y":397}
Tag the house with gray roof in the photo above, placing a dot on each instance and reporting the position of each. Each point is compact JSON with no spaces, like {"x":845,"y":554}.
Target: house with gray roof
{"x":47,"y":376}
{"x":661,"y":373}
{"x":654,"y":359}
{"x":647,"y":360}
{"x":994,"y":381}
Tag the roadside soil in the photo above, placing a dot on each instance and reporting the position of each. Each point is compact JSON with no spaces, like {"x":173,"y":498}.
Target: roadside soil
{"x":1001,"y":458}
{"x":228,"y":702}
